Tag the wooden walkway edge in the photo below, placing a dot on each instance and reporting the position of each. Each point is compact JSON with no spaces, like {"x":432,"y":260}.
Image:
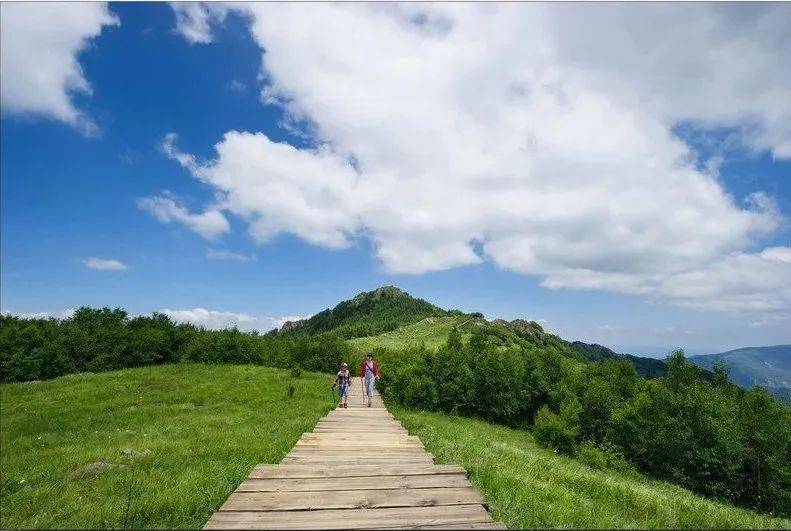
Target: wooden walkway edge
{"x":358,"y":469}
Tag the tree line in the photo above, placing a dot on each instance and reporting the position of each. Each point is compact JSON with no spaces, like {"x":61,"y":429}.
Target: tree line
{"x":95,"y":340}
{"x":705,"y":434}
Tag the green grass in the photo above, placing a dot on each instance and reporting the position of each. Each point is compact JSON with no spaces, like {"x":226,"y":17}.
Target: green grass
{"x":196,"y":431}
{"x":528,"y":486}
{"x":432,"y":332}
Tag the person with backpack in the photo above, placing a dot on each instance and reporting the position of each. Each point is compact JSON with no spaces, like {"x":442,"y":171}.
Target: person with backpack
{"x":369,"y":371}
{"x":342,"y":381}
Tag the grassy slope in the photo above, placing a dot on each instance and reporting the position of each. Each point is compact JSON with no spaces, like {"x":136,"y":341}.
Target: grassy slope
{"x":200,"y":429}
{"x":528,"y":486}
{"x":431,"y":331}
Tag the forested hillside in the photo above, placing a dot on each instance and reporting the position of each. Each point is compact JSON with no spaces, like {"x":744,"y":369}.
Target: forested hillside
{"x":646,"y":367}
{"x":370,"y":313}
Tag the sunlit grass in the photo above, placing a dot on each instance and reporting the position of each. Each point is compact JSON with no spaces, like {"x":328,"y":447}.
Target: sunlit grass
{"x":195,"y":432}
{"x":528,"y":486}
{"x":432,"y":332}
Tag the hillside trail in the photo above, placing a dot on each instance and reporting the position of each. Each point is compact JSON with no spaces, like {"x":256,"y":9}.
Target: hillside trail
{"x":358,"y":469}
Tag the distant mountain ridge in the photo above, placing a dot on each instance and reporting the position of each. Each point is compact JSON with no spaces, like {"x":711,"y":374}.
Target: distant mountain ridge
{"x":646,"y":367}
{"x":768,"y":367}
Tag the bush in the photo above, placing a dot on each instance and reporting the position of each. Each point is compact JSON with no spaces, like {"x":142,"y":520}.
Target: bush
{"x":551,"y":430}
{"x":602,"y":457}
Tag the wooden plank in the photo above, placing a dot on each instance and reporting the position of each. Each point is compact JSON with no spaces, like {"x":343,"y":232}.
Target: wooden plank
{"x":394,"y":427}
{"x":388,"y":518}
{"x":360,"y":422}
{"x":345,"y":458}
{"x":352,"y":446}
{"x":350,"y":499}
{"x":360,"y":436}
{"x":353,"y":432}
{"x":372,"y":482}
{"x":363,"y":424}
{"x":353,"y":470}
{"x":360,"y":446}
{"x":380,"y":436}
{"x":361,"y":413}
{"x":370,"y":442}
{"x":342,"y":460}
{"x":392,"y":422}
{"x":358,"y":455}
{"x":363,"y":427}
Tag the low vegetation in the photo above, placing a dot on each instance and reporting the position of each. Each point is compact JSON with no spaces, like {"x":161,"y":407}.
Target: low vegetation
{"x":528,"y":486}
{"x":156,"y":447}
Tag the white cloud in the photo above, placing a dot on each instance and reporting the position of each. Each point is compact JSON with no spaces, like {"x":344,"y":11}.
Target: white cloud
{"x":219,"y":254}
{"x":57,"y":314}
{"x":216,"y":320}
{"x":194,"y":20}
{"x":209,"y":319}
{"x":39,"y":47}
{"x":210,"y":224}
{"x":308,"y":193}
{"x":537,"y":136}
{"x":103,"y":264}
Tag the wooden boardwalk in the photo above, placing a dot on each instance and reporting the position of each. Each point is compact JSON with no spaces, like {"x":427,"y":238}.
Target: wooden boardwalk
{"x":358,"y":469}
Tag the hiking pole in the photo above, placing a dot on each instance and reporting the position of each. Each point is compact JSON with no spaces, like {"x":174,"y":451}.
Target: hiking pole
{"x":362,"y":386}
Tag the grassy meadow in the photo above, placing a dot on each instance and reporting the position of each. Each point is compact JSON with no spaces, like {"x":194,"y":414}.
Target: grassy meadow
{"x":432,"y":332}
{"x":528,"y":486}
{"x":194,"y":432}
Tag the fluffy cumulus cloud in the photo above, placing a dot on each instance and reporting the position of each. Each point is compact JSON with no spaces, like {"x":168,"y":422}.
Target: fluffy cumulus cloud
{"x":40,"y":44}
{"x":104,"y":264}
{"x":210,"y":224}
{"x":216,"y":320}
{"x":539,"y":137}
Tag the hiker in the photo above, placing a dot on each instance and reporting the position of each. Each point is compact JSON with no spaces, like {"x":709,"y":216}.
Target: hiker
{"x":369,"y":371}
{"x":342,"y":380}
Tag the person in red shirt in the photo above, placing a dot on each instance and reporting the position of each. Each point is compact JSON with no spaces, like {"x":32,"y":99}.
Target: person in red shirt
{"x":369,"y":371}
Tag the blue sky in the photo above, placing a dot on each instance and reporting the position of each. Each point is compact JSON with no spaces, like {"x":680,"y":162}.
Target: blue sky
{"x":314,"y":155}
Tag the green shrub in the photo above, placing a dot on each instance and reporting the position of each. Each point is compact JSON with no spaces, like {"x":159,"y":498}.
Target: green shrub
{"x":551,"y":430}
{"x":602,"y":457}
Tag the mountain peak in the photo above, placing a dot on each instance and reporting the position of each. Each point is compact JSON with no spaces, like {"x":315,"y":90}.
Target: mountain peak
{"x":381,"y":292}
{"x":369,"y":313}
